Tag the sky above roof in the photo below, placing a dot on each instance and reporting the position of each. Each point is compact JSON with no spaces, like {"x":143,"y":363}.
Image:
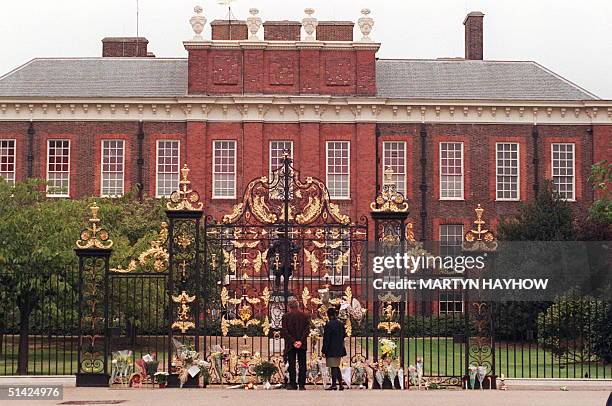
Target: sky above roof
{"x":571,"y":38}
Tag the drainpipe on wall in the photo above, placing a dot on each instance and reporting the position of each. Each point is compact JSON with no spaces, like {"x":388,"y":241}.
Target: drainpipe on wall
{"x":140,"y":161}
{"x":536,"y":160}
{"x":423,"y":186}
{"x":30,"y":157}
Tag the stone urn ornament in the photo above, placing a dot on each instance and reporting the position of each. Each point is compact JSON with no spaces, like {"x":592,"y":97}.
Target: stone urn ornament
{"x":365,"y":24}
{"x":198,"y":21}
{"x":309,"y":23}
{"x":253,"y":23}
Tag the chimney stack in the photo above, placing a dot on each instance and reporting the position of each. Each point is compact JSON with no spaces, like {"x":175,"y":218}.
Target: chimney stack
{"x":473,"y":36}
{"x":125,"y":47}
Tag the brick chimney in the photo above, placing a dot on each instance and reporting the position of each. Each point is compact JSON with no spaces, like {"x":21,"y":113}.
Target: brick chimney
{"x":335,"y":31}
{"x":125,"y":47}
{"x":473,"y":36}
{"x":282,"y":30}
{"x":221,"y":30}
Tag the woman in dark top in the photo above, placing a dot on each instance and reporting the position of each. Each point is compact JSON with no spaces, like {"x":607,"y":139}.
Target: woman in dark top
{"x":333,"y":347}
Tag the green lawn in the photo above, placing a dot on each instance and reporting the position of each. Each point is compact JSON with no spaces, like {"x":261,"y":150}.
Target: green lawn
{"x":442,"y":356}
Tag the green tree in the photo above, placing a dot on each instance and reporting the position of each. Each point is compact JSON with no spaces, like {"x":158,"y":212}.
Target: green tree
{"x":36,"y":237}
{"x":600,"y":179}
{"x":547,"y":218}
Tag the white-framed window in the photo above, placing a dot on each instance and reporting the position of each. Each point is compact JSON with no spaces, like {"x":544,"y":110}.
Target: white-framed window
{"x":451,"y":237}
{"x":58,"y":168}
{"x":563,"y":169}
{"x":338,"y":169}
{"x":168,"y":167}
{"x":7,"y":160}
{"x":113,"y":168}
{"x":224,"y":170}
{"x":451,"y":171}
{"x":507,"y":171}
{"x":450,"y":301}
{"x":277,"y":151}
{"x":394,"y":157}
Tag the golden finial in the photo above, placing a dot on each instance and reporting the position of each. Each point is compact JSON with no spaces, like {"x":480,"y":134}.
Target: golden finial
{"x":389,"y":200}
{"x":184,"y":198}
{"x":94,"y":236}
{"x":479,"y":238}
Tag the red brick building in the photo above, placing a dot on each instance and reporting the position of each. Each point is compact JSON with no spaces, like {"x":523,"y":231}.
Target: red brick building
{"x":456,"y":132}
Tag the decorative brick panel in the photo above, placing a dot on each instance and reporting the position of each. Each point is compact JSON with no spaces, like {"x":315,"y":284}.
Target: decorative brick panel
{"x":338,"y":71}
{"x":225,"y":70}
{"x":281,"y":71}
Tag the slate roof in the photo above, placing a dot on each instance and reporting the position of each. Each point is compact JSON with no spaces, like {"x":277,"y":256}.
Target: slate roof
{"x":476,"y":80}
{"x":97,"y":77}
{"x":396,"y":78}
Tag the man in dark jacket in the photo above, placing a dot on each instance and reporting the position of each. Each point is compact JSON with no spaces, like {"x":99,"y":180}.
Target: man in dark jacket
{"x":296,"y":328}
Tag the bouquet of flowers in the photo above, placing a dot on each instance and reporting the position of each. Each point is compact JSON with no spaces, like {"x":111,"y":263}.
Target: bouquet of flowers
{"x":161,"y":378}
{"x":387,"y":367}
{"x":265,"y":370}
{"x":121,"y":366}
{"x":387,"y":348}
{"x":472,"y":371}
{"x":218,"y":356}
{"x":188,"y":362}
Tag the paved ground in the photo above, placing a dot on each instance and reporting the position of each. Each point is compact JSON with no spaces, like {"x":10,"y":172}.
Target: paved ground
{"x":177,"y":397}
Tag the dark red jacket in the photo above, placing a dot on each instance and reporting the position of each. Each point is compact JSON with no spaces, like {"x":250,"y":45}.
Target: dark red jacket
{"x":296,"y":327}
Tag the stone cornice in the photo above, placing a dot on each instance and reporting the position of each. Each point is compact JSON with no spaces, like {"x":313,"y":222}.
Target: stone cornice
{"x":324,"y":109}
{"x":282,"y":45}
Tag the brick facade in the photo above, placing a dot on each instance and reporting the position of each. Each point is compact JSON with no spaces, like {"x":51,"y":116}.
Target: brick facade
{"x":309,"y":140}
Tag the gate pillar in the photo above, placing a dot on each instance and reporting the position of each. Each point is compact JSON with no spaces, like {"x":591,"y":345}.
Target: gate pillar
{"x":389,"y":211}
{"x":93,"y":250}
{"x":480,"y":351}
{"x":184,"y":212}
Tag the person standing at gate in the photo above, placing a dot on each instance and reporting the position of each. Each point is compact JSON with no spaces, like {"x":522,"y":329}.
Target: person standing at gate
{"x":333,"y":347}
{"x":295,"y":330}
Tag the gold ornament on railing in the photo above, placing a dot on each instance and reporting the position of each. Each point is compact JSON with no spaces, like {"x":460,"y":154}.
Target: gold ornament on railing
{"x":183,"y":321}
{"x":184,"y":198}
{"x":94,"y":236}
{"x":389,"y":324}
{"x":389,"y":200}
{"x":246,"y":311}
{"x":479,"y":238}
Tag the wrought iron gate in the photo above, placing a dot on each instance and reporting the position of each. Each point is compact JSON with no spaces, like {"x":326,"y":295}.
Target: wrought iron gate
{"x":285,"y":241}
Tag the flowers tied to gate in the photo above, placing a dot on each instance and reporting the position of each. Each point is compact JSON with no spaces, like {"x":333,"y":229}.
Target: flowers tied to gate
{"x":265,"y":370}
{"x":189,"y":363}
{"x":387,"y":348}
{"x":388,"y":366}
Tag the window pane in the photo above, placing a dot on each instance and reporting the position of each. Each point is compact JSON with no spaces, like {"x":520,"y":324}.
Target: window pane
{"x":451,"y":170}
{"x":58,"y":167}
{"x":563,"y":170}
{"x":394,"y":157}
{"x":112,"y":167}
{"x":168,"y":167}
{"x":224,"y":169}
{"x":338,"y":166}
{"x":507,"y":182}
{"x":7,"y":160}
{"x":451,"y":237}
{"x":277,"y":151}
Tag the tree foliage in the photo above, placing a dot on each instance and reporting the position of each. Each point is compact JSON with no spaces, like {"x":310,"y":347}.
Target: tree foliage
{"x":547,"y":218}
